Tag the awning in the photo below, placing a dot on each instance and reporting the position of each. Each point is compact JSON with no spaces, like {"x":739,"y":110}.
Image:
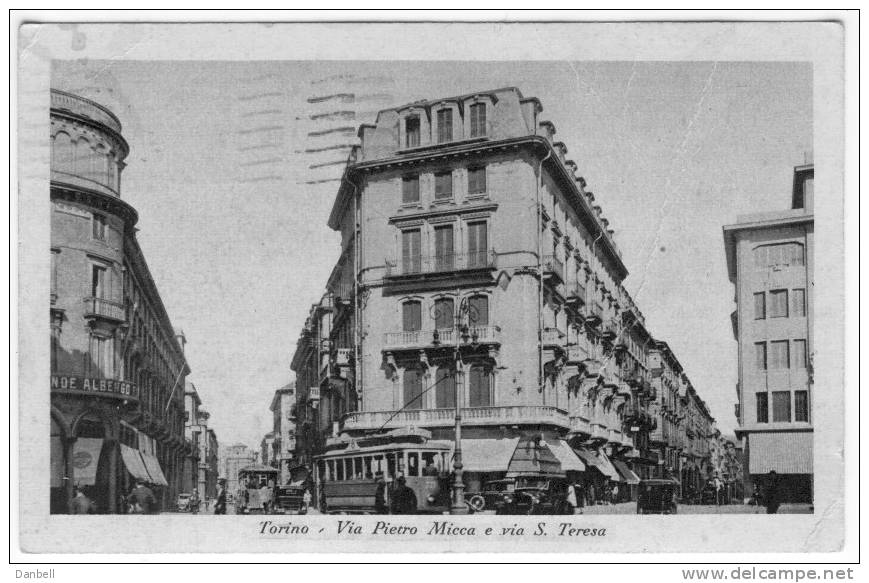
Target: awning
{"x":533,"y":456}
{"x":85,"y":457}
{"x":134,"y":463}
{"x":487,"y":455}
{"x":785,"y":452}
{"x":627,"y":474}
{"x":598,"y":461}
{"x":570,"y":462}
{"x":153,"y":467}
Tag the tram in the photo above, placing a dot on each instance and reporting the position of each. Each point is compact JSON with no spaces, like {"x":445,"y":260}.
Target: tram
{"x":348,"y":476}
{"x":256,"y":486}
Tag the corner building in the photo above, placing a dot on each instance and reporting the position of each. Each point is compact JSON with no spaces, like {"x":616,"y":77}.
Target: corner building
{"x":476,"y":265}
{"x":770,"y":261}
{"x":117,"y":369}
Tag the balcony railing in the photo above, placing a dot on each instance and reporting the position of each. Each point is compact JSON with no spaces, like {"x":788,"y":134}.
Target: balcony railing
{"x":575,"y":294}
{"x":84,"y":107}
{"x":553,"y":337}
{"x":512,"y":415}
{"x":553,"y":266}
{"x":103,"y":308}
{"x":444,"y":263}
{"x":445,"y":337}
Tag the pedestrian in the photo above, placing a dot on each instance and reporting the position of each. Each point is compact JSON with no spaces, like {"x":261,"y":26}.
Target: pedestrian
{"x":220,"y":503}
{"x":381,"y":505}
{"x":81,"y":504}
{"x":403,"y":498}
{"x":581,"y":496}
{"x":306,"y":500}
{"x":194,"y":502}
{"x":571,"y":499}
{"x":772,"y":499}
{"x":718,"y":487}
{"x":615,"y":493}
{"x":142,"y":499}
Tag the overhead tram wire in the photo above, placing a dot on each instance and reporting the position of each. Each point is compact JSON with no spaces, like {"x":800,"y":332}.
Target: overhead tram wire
{"x":433,"y":385}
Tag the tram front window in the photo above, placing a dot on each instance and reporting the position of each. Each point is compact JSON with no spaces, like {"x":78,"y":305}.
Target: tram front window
{"x":413,"y":464}
{"x":339,"y":467}
{"x":390,"y":466}
{"x":357,"y":468}
{"x":366,"y":463}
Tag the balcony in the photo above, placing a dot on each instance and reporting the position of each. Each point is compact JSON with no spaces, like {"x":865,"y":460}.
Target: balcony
{"x":552,"y":338}
{"x":579,"y":424}
{"x":511,"y":415}
{"x":575,"y":295}
{"x":553,"y":268}
{"x":609,"y":331}
{"x":420,"y":339}
{"x":447,"y":263}
{"x":343,"y":356}
{"x":576,"y":354}
{"x":104,"y":309}
{"x":343,"y":292}
{"x":594,"y":317}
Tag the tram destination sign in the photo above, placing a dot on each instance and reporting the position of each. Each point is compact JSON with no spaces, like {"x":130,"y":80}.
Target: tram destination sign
{"x":107,"y":387}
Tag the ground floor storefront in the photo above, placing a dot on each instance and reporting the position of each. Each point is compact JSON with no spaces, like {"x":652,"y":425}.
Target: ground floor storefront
{"x":100,"y":448}
{"x":789,"y":454}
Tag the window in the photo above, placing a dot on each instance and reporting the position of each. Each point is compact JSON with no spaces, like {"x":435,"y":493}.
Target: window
{"x":480,"y":387}
{"x":477,"y":244}
{"x":778,"y":303}
{"x":762,"y":407}
{"x":799,"y":303}
{"x":444,"y":309}
{"x":413,"y":464}
{"x":476,"y":180}
{"x":411,"y":260}
{"x":411,"y":131}
{"x":412,"y":389}
{"x":478,"y":311}
{"x":760,"y":355}
{"x":445,"y":125}
{"x":799,"y":353}
{"x":102,"y":357}
{"x":779,"y":255}
{"x":445,"y":391}
{"x":781,"y":406}
{"x":759,"y":306}
{"x":410,"y":189}
{"x":99,"y":227}
{"x":779,"y":356}
{"x":444,"y":253}
{"x":98,"y":281}
{"x":411,"y":316}
{"x":801,"y":406}
{"x":478,"y":120}
{"x":443,"y":185}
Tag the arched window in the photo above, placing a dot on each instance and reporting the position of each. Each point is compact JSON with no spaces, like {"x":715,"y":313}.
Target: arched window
{"x":82,"y":157}
{"x":480,"y":386}
{"x":445,"y":389}
{"x":779,"y":255}
{"x":62,"y":152}
{"x":412,"y":388}
{"x":444,"y":308}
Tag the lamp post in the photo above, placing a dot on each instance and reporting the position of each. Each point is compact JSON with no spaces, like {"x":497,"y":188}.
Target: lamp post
{"x":458,"y":502}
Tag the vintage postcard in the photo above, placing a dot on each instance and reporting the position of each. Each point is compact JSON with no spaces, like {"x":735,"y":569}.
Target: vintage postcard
{"x":427,"y":287}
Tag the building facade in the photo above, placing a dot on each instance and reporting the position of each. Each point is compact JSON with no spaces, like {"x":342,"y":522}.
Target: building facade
{"x":117,"y":369}
{"x":267,"y":454}
{"x":201,"y":466}
{"x":283,"y":408}
{"x":770,"y":261}
{"x":232,"y":459}
{"x":476,"y":269}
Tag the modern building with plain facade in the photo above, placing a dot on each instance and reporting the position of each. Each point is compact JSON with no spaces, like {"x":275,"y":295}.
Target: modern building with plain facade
{"x":117,"y":369}
{"x":770,"y":260}
{"x":475,"y":265}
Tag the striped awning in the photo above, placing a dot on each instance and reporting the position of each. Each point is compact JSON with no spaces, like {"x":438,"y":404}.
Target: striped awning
{"x":627,"y":474}
{"x":599,"y":461}
{"x":570,"y":462}
{"x":786,"y":452}
{"x":133,"y":462}
{"x":533,"y":456}
{"x":153,"y":467}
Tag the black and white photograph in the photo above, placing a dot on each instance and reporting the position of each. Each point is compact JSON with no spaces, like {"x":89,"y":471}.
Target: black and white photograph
{"x":424,"y":296}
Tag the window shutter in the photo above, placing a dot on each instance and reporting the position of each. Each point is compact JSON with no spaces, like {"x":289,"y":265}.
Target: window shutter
{"x":479,"y":311}
{"x":445,"y":393}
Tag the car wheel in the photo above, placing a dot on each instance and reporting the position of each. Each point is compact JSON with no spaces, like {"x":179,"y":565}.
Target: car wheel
{"x":477,"y":503}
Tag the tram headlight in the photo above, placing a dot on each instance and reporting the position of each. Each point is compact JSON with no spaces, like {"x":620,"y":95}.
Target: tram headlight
{"x":431,"y":499}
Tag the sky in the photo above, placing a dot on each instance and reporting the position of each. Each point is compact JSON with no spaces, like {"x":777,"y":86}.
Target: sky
{"x":232,"y":218}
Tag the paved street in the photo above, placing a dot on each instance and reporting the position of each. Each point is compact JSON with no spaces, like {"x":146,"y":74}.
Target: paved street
{"x":631,"y":508}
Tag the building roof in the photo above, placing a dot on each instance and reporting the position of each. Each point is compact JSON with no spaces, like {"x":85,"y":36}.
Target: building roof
{"x":760,"y":221}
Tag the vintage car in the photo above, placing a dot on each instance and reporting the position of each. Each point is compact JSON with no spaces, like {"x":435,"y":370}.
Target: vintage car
{"x":657,"y":497}
{"x":535,"y":494}
{"x":289,"y":499}
{"x":490,"y":495}
{"x":183,"y":502}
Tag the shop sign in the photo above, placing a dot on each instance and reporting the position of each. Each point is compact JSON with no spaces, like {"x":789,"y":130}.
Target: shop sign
{"x":109,"y":387}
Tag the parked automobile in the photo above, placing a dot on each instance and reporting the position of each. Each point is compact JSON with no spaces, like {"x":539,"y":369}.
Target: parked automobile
{"x":535,"y":494}
{"x":490,"y":495}
{"x":657,"y":497}
{"x":183,"y":503}
{"x":289,"y":499}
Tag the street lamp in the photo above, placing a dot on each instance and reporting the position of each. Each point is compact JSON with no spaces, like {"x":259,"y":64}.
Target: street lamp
{"x":468,"y":338}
